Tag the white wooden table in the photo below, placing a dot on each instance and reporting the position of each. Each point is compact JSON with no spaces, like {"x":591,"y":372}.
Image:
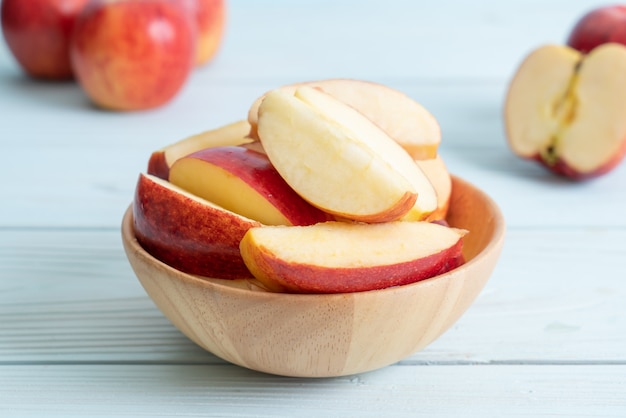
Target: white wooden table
{"x":79,"y":336}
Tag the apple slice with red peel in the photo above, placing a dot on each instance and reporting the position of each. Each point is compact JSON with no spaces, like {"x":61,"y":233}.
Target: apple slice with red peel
{"x":399,"y":116}
{"x":337,"y":159}
{"x":188,"y":233}
{"x":568,"y":110}
{"x":339,"y":257}
{"x":439,"y":176}
{"x":362,"y":129}
{"x":245,"y":182}
{"x":232,"y":134}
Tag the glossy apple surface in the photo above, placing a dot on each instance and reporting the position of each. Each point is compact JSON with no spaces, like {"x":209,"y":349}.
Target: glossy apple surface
{"x":399,"y":116}
{"x":133,"y":55}
{"x":188,"y":233}
{"x":161,"y":160}
{"x":338,"y":257}
{"x":599,"y":26}
{"x":567,"y":110}
{"x":210,"y":19}
{"x":245,"y":182}
{"x":38,"y":33}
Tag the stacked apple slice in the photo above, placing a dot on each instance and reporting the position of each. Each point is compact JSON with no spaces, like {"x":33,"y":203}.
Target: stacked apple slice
{"x":311,"y":195}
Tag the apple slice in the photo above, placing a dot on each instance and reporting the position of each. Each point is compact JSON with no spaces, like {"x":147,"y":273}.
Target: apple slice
{"x":568,"y":110}
{"x":232,"y":134}
{"x":338,"y":257}
{"x":402,"y":118}
{"x":187,"y":232}
{"x":245,"y":182}
{"x":340,"y":161}
{"x":439,"y":176}
{"x":360,"y":127}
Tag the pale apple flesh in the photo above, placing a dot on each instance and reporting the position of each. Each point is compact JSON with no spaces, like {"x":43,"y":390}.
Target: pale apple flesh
{"x":231,"y":134}
{"x":361,"y":128}
{"x":338,"y":257}
{"x":245,"y":182}
{"x":399,"y":116}
{"x":437,"y":173}
{"x":327,"y":165}
{"x":568,"y":110}
{"x":188,"y":233}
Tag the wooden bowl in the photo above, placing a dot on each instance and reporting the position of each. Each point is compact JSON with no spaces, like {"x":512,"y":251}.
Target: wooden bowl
{"x":326,"y":335}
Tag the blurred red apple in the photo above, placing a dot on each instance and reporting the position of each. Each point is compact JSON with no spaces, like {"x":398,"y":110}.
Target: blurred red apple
{"x":187,"y":232}
{"x":210,"y":18}
{"x":133,"y":54}
{"x":599,"y":26}
{"x":38,"y":33}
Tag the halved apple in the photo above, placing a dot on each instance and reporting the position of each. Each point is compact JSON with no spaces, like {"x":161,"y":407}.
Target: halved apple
{"x":187,"y":232}
{"x":339,"y":160}
{"x":568,"y":110}
{"x":244,"y":181}
{"x":232,"y":134}
{"x":339,"y":257}
{"x":399,"y":116}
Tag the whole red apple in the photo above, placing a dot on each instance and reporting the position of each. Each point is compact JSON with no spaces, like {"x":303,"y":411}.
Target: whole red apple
{"x":38,"y":32}
{"x":599,"y":26}
{"x":210,"y":17}
{"x":133,"y":54}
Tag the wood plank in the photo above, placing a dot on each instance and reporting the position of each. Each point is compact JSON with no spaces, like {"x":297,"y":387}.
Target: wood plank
{"x":398,"y":391}
{"x":70,"y":296}
{"x":79,"y":336}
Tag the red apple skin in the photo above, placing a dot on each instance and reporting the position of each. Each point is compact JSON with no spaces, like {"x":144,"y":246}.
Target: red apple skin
{"x":133,"y":55}
{"x":187,"y":235}
{"x":317,"y":279}
{"x":599,"y":26}
{"x":38,"y":33}
{"x":158,"y":166}
{"x":255,"y":169}
{"x":210,"y":18}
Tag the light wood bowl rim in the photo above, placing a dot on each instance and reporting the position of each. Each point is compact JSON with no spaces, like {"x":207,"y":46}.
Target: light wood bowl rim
{"x":494,"y":244}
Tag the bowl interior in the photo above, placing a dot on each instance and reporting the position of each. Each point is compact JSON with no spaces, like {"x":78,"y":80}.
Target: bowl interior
{"x":326,"y":335}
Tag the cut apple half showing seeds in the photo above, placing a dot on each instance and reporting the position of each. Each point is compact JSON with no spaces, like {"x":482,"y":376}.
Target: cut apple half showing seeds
{"x":339,"y":160}
{"x":568,"y":110}
{"x":339,"y":257}
{"x":405,"y":120}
